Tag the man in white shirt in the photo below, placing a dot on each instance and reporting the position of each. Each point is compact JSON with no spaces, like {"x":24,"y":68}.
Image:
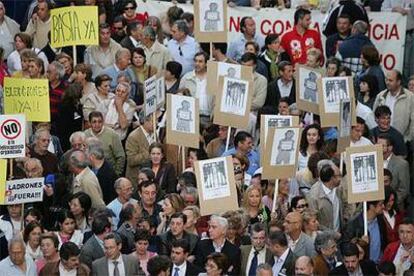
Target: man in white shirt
{"x":356,"y":134}
{"x":284,"y":259}
{"x":123,"y":187}
{"x":114,"y":263}
{"x":179,"y":254}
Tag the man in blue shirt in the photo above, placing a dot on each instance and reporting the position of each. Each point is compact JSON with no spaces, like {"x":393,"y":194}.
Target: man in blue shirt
{"x":243,"y":144}
{"x":18,"y":263}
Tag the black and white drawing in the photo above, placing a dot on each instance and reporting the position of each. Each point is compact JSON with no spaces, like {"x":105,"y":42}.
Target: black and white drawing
{"x":234,"y":98}
{"x":272,"y":121}
{"x":214,"y":173}
{"x":228,"y":70}
{"x":211,"y":16}
{"x":345,"y":116}
{"x":334,"y":90}
{"x":307,"y":85}
{"x":284,"y":147}
{"x":150,"y":94}
{"x":364,"y":172}
{"x":183,"y":114}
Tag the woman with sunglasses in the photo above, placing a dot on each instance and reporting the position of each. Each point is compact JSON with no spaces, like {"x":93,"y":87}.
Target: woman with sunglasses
{"x":128,"y":12}
{"x":298,"y":204}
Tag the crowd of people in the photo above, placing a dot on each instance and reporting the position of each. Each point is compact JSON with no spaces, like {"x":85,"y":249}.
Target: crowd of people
{"x":118,"y":200}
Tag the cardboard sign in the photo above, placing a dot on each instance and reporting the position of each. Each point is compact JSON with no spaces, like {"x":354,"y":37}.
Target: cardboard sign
{"x":365,"y":173}
{"x":233,"y":102}
{"x":12,"y":136}
{"x":307,"y":97}
{"x":150,"y":95}
{"x":183,"y":121}
{"x":210,"y":20}
{"x":76,"y":25}
{"x":29,"y":97}
{"x":331,"y":92}
{"x":22,"y":191}
{"x":3,"y":177}
{"x":160,"y":92}
{"x":346,"y":114}
{"x":217,"y":186}
{"x":281,"y":155}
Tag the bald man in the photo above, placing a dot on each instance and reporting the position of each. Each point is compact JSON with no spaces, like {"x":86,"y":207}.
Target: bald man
{"x":304,"y":266}
{"x":300,"y":243}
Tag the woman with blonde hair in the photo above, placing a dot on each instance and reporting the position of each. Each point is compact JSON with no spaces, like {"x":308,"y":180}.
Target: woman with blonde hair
{"x":310,"y":223}
{"x":193,"y":215}
{"x":173,"y":203}
{"x":282,"y":201}
{"x":253,"y":206}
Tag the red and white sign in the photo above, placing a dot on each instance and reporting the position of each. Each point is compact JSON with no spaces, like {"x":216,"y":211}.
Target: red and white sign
{"x":12,"y":136}
{"x":387,"y":29}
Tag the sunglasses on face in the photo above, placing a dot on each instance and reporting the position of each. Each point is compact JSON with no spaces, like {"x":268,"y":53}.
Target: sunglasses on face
{"x":302,"y":206}
{"x":128,"y":8}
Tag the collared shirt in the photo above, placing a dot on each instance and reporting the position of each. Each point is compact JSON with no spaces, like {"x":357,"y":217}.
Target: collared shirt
{"x":390,"y":102}
{"x":279,"y":262}
{"x":284,"y":89}
{"x":148,"y":136}
{"x":390,"y":220}
{"x":77,"y":178}
{"x":237,"y":46}
{"x":335,"y":203}
{"x":116,"y":206}
{"x":387,"y":161}
{"x":357,"y":272}
{"x":181,"y":269}
{"x":253,"y":156}
{"x":218,"y":247}
{"x":121,"y":267}
{"x":374,"y":241}
{"x":134,"y":42}
{"x":64,"y":272}
{"x":201,"y":92}
{"x":291,"y":242}
{"x":401,"y":266}
{"x":184,"y":52}
{"x":361,"y":142}
{"x":261,"y":258}
{"x":100,"y":242}
{"x":7,"y":268}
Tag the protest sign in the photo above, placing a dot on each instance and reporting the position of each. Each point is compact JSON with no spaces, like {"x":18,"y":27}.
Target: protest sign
{"x":12,"y":136}
{"x":3,"y":177}
{"x":150,"y":95}
{"x":160,"y":91}
{"x":22,"y":191}
{"x":388,"y":36}
{"x":233,"y":101}
{"x":210,"y":20}
{"x":365,"y":173}
{"x":307,"y":98}
{"x":281,"y":155}
{"x":29,"y":97}
{"x":346,"y":115}
{"x":217,"y":185}
{"x":183,"y":121}
{"x":74,"y":26}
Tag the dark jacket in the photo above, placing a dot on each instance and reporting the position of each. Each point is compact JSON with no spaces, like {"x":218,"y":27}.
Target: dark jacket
{"x":273,"y":94}
{"x":52,"y":269}
{"x":91,"y":251}
{"x":190,"y":271}
{"x":349,"y":7}
{"x":368,"y":268}
{"x":332,"y":44}
{"x":351,"y":46}
{"x":127,"y":43}
{"x":4,"y":251}
{"x":205,"y":248}
{"x":164,"y":242}
{"x":166,"y":176}
{"x":288,"y":267}
{"x":69,"y":120}
{"x":266,"y":61}
{"x":106,"y":176}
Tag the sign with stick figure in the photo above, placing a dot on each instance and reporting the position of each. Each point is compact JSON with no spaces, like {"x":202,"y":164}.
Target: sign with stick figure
{"x":210,"y":20}
{"x":12,"y":136}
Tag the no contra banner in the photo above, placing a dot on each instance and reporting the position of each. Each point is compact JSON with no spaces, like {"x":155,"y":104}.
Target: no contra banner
{"x":387,"y":30}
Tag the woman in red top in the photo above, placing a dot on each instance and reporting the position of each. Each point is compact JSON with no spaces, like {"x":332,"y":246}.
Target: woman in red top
{"x":392,"y":216}
{"x":129,"y":13}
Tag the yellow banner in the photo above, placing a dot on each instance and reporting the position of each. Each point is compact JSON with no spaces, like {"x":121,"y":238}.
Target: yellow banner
{"x":3,"y":172}
{"x":74,"y":26}
{"x":29,"y":97}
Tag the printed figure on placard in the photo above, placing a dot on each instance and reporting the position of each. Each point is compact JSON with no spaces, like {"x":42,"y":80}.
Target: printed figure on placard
{"x":364,"y":172}
{"x":211,"y":18}
{"x":334,"y":90}
{"x":214,"y":176}
{"x":231,"y":72}
{"x":184,"y":117}
{"x":234,"y":99}
{"x":278,"y":122}
{"x":311,"y":91}
{"x":286,"y":148}
{"x":214,"y":173}
{"x":345,"y":124}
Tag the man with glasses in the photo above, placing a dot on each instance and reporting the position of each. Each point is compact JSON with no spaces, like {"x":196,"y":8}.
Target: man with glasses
{"x":255,"y":254}
{"x":182,"y":46}
{"x":123,"y":187}
{"x":300,"y":243}
{"x":40,"y":151}
{"x":324,"y":198}
{"x":326,"y":247}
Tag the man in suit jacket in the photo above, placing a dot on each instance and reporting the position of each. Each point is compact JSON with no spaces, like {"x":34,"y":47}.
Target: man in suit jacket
{"x":179,"y":254}
{"x":324,"y":197}
{"x":300,"y":243}
{"x":218,"y":243}
{"x":282,"y":87}
{"x":352,"y":265}
{"x":284,"y":260}
{"x":398,"y":167}
{"x":114,"y":261}
{"x":137,"y":146}
{"x":93,"y":248}
{"x":85,"y":180}
{"x":104,"y":172}
{"x":134,"y":35}
{"x":69,"y":259}
{"x":255,"y":254}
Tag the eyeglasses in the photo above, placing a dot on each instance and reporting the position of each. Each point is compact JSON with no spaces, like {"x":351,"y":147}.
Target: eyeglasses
{"x":128,"y":8}
{"x":302,"y":206}
{"x":118,"y":28}
{"x":180,"y":51}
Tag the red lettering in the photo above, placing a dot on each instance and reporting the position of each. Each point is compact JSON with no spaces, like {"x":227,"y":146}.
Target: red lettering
{"x":384,"y":32}
{"x":388,"y":61}
{"x":264,"y":27}
{"x":316,"y":27}
{"x":378,"y":34}
{"x":234,"y":23}
{"x":394,"y":32}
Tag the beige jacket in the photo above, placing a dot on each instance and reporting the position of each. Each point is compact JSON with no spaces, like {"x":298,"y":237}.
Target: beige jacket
{"x":88,"y":183}
{"x":189,"y":81}
{"x":38,"y":30}
{"x":157,"y":56}
{"x":260,"y":92}
{"x":403,"y":116}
